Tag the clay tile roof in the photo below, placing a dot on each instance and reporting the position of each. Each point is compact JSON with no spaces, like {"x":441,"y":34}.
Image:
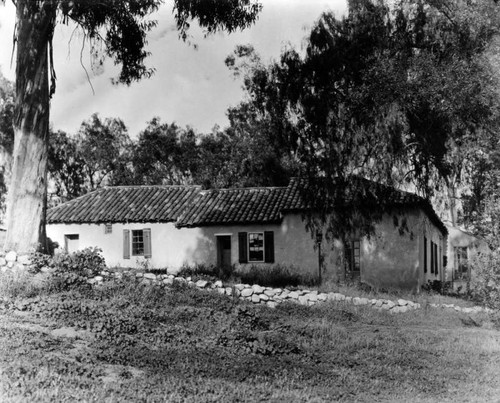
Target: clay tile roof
{"x":125,"y":204}
{"x":234,"y":206}
{"x":189,"y":206}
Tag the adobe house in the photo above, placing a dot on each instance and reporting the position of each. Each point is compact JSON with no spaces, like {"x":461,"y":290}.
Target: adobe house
{"x":172,"y":226}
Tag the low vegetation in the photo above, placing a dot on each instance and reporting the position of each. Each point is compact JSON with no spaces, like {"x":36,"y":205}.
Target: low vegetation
{"x":129,"y":341}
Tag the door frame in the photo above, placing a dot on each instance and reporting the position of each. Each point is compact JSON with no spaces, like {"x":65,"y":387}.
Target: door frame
{"x":219,"y":244}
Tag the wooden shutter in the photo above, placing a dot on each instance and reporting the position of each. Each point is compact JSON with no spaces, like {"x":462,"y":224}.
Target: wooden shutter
{"x":425,"y":254}
{"x":126,"y":244}
{"x":436,"y":260}
{"x":269,"y":247}
{"x":146,"y":234}
{"x":242,"y":247}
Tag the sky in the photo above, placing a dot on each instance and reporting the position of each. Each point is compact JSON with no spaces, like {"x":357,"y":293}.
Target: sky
{"x":191,"y":86}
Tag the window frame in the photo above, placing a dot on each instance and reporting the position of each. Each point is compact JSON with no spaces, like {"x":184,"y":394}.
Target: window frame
{"x":249,"y":234}
{"x":108,"y":228}
{"x":133,"y":234}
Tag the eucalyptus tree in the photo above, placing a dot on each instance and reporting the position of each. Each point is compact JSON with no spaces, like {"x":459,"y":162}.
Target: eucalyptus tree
{"x":118,"y":27}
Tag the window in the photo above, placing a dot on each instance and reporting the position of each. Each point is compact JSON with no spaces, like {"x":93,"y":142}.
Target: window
{"x":352,"y":256}
{"x":256,"y":247}
{"x":108,"y":228}
{"x":139,"y":244}
{"x":461,"y":264}
{"x":71,"y":242}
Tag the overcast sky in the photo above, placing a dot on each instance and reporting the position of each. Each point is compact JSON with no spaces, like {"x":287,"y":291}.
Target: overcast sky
{"x":190,"y":87}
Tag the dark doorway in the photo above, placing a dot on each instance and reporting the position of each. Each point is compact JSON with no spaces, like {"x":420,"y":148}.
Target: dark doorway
{"x":224,"y":251}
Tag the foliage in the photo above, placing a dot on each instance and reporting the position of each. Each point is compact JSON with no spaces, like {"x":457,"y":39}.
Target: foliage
{"x":23,"y":284}
{"x":275,"y":276}
{"x":6,"y":136}
{"x":202,"y":271}
{"x":484,"y":285}
{"x":394,"y":91}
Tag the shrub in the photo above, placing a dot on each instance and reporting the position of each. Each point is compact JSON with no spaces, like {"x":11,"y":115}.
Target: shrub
{"x":276,"y":276}
{"x":484,"y":285}
{"x":69,"y":270}
{"x":207,"y":272}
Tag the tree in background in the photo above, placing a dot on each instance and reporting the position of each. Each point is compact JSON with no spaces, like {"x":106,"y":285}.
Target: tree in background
{"x":6,"y":137}
{"x":392,"y":93}
{"x":164,"y":154}
{"x":66,"y":167}
{"x":117,"y":27}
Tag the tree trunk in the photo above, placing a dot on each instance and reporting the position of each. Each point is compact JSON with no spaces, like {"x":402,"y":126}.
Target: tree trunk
{"x":452,"y":200}
{"x":26,"y":201}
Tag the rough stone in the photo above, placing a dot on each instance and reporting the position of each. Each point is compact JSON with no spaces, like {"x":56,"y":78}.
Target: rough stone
{"x":247,"y":292}
{"x":264,"y":297}
{"x":303,"y":299}
{"x":139,"y":275}
{"x":239,"y":286}
{"x":402,"y":302}
{"x":201,"y":283}
{"x":3,"y":262}
{"x":270,"y":293}
{"x":271,"y":304}
{"x":10,"y":265}
{"x":221,"y":290}
{"x":390,"y":304}
{"x":168,"y":281}
{"x":229,"y":291}
{"x":218,"y":284}
{"x":322,"y":296}
{"x":255,"y":298}
{"x":379,"y":303}
{"x":313,"y":297}
{"x":11,"y":256}
{"x":257,"y":289}
{"x":150,"y":276}
{"x":348,"y":299}
{"x":293,"y":295}
{"x":188,"y":279}
{"x":98,"y":279}
{"x":360,"y":301}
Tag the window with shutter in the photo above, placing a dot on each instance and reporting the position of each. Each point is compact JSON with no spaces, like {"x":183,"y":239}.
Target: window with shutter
{"x":256,"y":247}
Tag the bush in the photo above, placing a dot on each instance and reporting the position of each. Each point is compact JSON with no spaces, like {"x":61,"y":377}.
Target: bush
{"x":69,"y":270}
{"x":206,"y":272}
{"x":276,"y":276}
{"x":484,"y":285}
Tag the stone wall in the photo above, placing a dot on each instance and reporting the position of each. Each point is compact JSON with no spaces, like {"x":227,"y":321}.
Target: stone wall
{"x":255,"y":294}
{"x":271,"y":297}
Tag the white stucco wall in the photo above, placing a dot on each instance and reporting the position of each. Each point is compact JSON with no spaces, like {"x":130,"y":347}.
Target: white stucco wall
{"x":173,"y":247}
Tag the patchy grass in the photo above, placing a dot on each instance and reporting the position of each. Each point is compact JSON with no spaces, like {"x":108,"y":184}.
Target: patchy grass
{"x":127,"y":342}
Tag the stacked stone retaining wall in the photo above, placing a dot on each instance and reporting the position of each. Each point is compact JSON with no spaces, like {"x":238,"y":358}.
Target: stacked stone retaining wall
{"x":256,"y":294}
